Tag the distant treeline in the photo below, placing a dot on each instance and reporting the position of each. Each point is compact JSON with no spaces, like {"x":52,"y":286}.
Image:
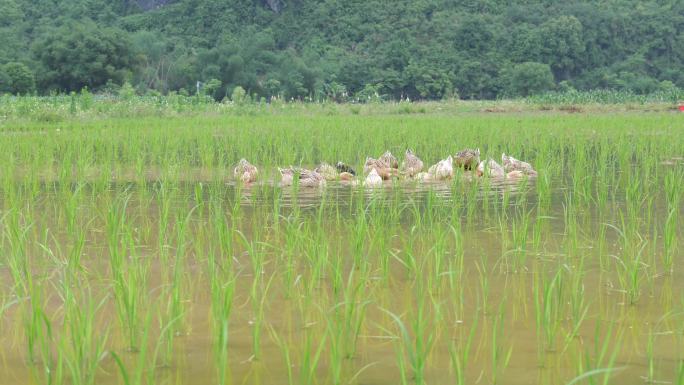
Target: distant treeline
{"x":342,"y":49}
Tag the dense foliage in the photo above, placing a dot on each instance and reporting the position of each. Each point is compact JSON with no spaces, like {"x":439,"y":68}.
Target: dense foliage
{"x":420,"y":49}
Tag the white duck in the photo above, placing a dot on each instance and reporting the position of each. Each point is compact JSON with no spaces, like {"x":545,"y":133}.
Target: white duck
{"x":512,"y":164}
{"x":286,"y":176}
{"x":444,"y":169}
{"x":373,"y":179}
{"x":491,"y":169}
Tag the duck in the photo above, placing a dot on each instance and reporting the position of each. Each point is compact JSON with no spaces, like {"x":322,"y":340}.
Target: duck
{"x":306,"y":178}
{"x":467,"y":159}
{"x":343,"y":167}
{"x":286,"y":176}
{"x":327,"y":171}
{"x":490,"y":168}
{"x":515,"y":175}
{"x":348,"y":179}
{"x":381,"y":168}
{"x":372,"y":163}
{"x":373,"y":179}
{"x":512,"y":164}
{"x":444,"y":169}
{"x":245,"y":171}
{"x":412,"y":165}
{"x":390,"y":160}
{"x":346,"y":176}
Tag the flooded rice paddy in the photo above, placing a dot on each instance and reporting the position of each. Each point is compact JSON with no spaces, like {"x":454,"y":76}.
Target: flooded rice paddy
{"x":165,"y":271}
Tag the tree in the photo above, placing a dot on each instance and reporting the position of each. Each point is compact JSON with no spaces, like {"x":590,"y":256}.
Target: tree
{"x":19,"y":77}
{"x":5,"y":82}
{"x":12,"y":36}
{"x":427,"y":82}
{"x":562,"y":45}
{"x":474,"y":80}
{"x":415,"y":48}
{"x":10,"y":13}
{"x":82,"y":54}
{"x":153,"y":60}
{"x":525,"y":43}
{"x":369,"y":93}
{"x":530,"y":78}
{"x":474,"y":34}
{"x":213,"y":89}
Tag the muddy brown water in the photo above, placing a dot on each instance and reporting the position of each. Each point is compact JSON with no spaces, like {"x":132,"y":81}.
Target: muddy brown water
{"x":297,"y":312}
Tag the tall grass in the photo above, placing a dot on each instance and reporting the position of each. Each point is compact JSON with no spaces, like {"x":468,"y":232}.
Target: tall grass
{"x":607,"y":96}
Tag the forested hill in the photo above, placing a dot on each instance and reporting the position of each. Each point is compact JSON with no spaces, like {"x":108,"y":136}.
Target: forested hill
{"x":421,"y":49}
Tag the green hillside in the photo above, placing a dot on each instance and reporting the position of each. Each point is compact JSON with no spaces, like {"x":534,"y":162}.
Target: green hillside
{"x":420,"y":49}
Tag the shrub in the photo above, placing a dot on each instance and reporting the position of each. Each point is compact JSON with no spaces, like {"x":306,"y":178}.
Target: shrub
{"x":127,"y":92}
{"x":19,"y":77}
{"x":212,"y":87}
{"x":239,"y":95}
{"x":530,"y":78}
{"x":369,"y":93}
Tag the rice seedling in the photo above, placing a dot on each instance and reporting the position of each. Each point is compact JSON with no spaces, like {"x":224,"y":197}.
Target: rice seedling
{"x":83,"y":342}
{"x":500,"y":357}
{"x":222,"y":288}
{"x":598,"y":366}
{"x":484,"y":285}
{"x":348,"y":315}
{"x":460,"y":353}
{"x":520,"y":230}
{"x":123,"y":229}
{"x":412,"y":351}
{"x":286,"y":346}
{"x":136,"y":376}
{"x":129,"y":272}
{"x":548,"y":297}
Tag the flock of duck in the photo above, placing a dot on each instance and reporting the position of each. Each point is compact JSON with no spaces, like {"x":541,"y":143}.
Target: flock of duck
{"x":387,"y":166}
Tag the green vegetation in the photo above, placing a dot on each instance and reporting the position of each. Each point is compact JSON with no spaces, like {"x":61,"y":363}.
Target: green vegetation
{"x":342,"y":50}
{"x":16,"y":78}
{"x":87,"y":106}
{"x":530,"y":79}
{"x":131,"y":256}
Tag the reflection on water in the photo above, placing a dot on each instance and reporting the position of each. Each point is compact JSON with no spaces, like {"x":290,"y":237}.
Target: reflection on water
{"x":342,"y":192}
{"x":390,"y":275}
